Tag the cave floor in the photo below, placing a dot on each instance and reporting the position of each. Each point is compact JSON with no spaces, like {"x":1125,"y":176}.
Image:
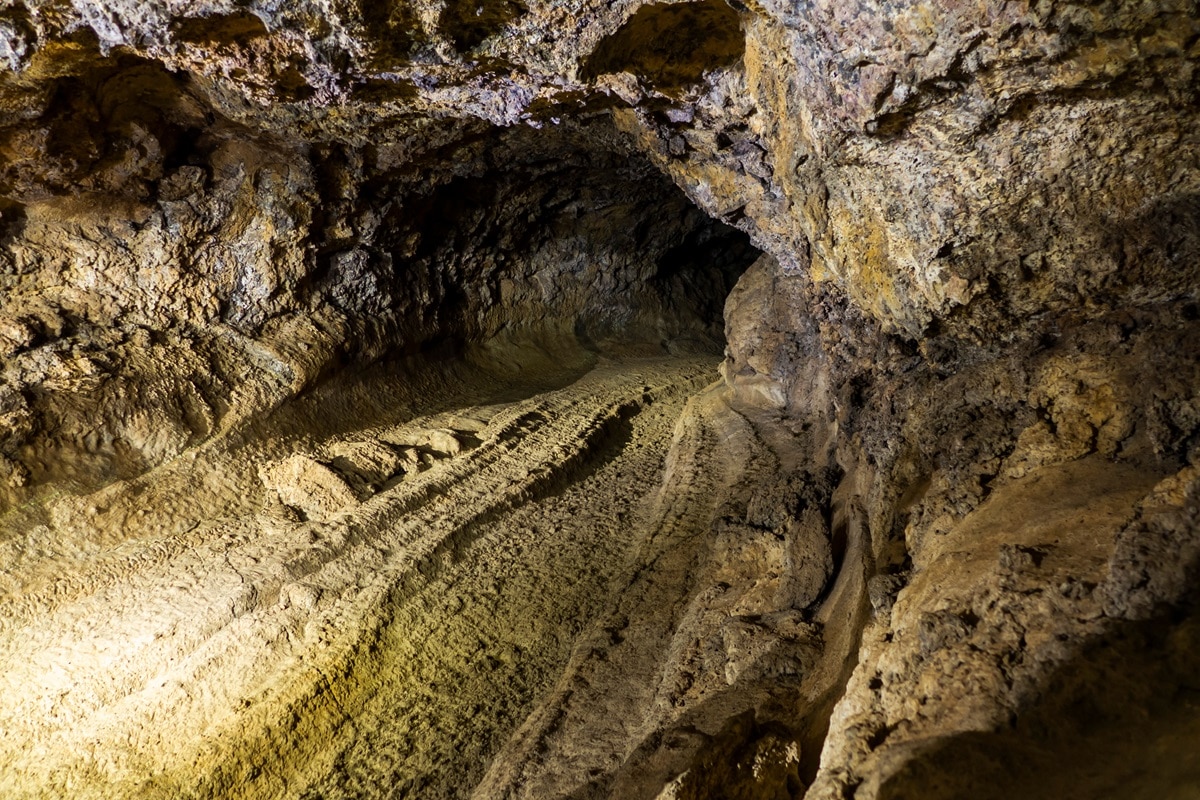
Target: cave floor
{"x":372,"y":610}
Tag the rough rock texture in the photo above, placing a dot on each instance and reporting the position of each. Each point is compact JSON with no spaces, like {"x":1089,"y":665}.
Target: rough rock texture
{"x":358,"y":432}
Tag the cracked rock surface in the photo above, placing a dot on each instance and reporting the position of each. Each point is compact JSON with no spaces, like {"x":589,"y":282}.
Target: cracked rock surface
{"x":527,"y":399}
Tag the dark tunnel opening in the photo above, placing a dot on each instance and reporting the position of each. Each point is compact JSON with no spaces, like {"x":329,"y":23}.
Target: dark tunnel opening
{"x":555,"y":231}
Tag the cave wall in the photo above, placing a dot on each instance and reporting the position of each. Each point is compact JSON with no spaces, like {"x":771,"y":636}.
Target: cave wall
{"x":978,"y":287}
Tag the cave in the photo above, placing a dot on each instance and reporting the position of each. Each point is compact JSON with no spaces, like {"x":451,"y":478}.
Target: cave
{"x":693,"y":399}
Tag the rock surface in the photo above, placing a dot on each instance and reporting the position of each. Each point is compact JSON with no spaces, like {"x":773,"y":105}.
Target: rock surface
{"x":361,"y":432}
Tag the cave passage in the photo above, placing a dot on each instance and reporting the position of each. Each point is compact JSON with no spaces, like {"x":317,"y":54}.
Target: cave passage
{"x":368,"y":590}
{"x":388,"y":411}
{"x":547,"y":230}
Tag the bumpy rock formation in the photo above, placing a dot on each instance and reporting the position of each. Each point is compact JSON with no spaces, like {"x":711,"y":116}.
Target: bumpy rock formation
{"x":364,"y":430}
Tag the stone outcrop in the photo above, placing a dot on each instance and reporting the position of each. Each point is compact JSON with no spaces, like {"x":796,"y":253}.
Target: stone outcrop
{"x":353,"y":431}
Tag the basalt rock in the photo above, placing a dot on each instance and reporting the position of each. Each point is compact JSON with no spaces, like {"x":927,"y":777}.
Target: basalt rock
{"x":365,"y":429}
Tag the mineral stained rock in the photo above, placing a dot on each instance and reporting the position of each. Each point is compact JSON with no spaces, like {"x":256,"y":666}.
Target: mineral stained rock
{"x":365,"y":431}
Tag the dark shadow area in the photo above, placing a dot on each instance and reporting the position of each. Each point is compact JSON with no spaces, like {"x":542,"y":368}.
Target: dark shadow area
{"x":548,"y":230}
{"x":1119,"y":722}
{"x":110,"y":130}
{"x":1158,"y":252}
{"x":394,"y":29}
{"x":238,"y":27}
{"x":12,"y":220}
{"x":468,"y":23}
{"x":670,"y":46}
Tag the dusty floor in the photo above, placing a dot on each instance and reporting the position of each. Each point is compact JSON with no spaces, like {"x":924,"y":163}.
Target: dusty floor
{"x":384,"y":597}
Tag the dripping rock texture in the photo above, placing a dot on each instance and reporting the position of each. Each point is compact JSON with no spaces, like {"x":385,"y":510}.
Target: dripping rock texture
{"x":637,"y":400}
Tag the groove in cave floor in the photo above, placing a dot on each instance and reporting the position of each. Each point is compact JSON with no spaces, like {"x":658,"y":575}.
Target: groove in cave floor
{"x":371,"y":612}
